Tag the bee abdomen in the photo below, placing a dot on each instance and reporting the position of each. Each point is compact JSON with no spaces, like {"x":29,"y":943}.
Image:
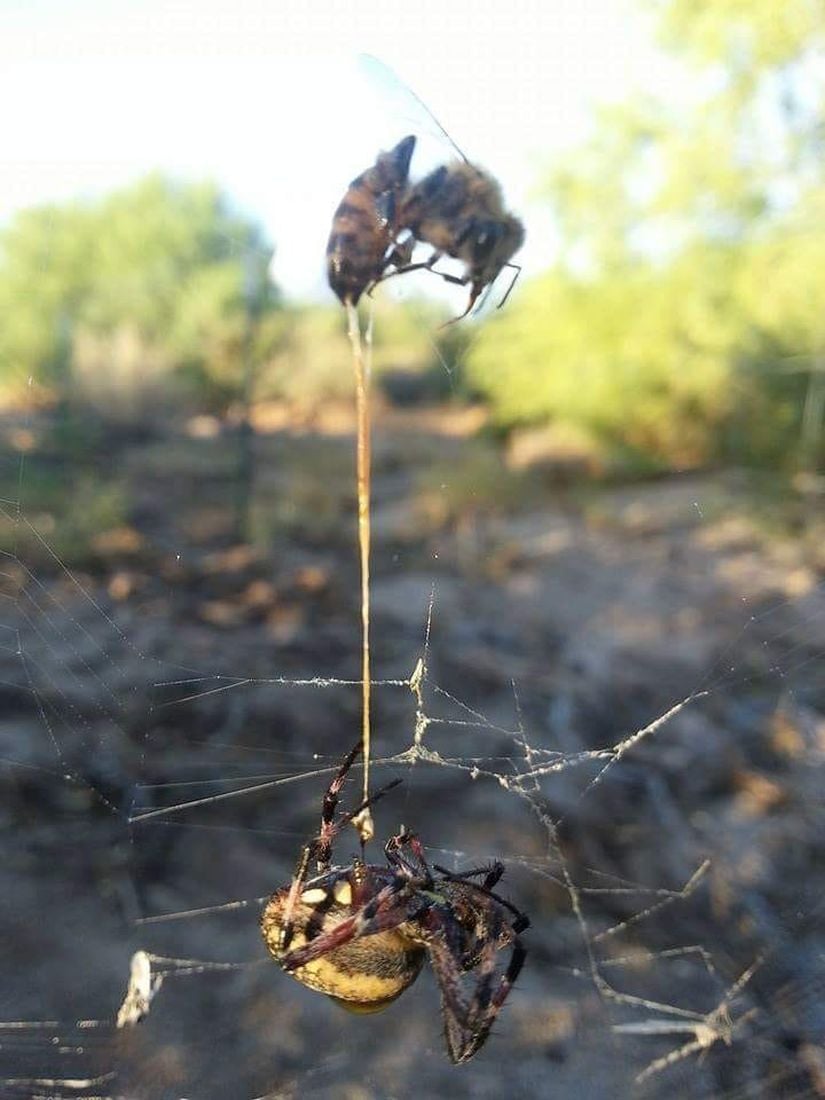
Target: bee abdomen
{"x":364,"y":224}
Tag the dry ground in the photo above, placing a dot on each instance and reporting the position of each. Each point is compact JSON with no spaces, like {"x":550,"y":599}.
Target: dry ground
{"x":603,"y":606}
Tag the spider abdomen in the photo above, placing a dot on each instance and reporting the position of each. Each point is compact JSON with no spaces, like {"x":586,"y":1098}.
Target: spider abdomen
{"x":364,"y":974}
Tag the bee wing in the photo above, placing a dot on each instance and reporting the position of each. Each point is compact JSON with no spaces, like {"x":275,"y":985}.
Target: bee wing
{"x":405,"y":107}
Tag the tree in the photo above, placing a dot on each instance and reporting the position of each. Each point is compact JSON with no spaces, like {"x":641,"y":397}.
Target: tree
{"x":148,"y":282}
{"x":684,"y":316}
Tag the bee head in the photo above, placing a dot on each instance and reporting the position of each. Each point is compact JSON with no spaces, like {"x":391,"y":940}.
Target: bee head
{"x":491,"y":244}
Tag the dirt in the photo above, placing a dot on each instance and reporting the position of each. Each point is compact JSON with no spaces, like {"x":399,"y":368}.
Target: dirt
{"x":159,"y":670}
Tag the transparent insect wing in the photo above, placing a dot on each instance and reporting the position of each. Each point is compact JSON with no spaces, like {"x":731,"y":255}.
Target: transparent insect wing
{"x":398,"y":109}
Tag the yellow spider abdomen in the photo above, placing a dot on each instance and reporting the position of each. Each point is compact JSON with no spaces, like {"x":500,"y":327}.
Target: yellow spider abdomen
{"x":364,"y":975}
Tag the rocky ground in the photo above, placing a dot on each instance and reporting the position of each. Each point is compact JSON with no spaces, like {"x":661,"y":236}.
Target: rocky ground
{"x":152,"y":667}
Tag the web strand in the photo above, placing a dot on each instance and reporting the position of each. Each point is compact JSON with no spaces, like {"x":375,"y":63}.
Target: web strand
{"x":362,"y":364}
{"x":79,"y":661}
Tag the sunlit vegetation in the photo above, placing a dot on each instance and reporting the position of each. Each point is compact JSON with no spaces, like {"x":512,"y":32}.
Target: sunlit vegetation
{"x":157,"y":301}
{"x":685,"y":319}
{"x":680,"y":322}
{"x":115,"y":301}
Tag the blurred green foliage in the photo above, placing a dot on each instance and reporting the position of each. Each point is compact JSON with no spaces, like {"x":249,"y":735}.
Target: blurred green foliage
{"x":685,"y":319}
{"x":682,"y":323}
{"x":79,"y":517}
{"x":107,"y":300}
{"x":157,"y":298}
{"x":312,"y":363}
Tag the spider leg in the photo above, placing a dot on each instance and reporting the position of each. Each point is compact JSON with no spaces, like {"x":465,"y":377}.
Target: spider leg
{"x":493,"y":873}
{"x":390,"y":907}
{"x":487,"y":1013}
{"x":320,"y":848}
{"x":467,"y":1025}
{"x":405,"y":854}
{"x":444,"y":961}
{"x":323,"y":842}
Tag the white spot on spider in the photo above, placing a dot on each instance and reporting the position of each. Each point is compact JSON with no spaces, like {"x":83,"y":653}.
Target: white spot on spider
{"x":313,"y":896}
{"x":343,"y":892}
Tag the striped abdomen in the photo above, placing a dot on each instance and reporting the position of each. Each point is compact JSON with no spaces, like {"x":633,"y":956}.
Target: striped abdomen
{"x":366,"y":222}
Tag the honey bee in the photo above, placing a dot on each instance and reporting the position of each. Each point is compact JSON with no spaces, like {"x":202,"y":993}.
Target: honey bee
{"x":365,"y":226}
{"x":459,"y":210}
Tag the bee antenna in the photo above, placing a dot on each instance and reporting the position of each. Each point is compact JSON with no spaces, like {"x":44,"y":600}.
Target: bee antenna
{"x":485,"y":296}
{"x":513,"y":282}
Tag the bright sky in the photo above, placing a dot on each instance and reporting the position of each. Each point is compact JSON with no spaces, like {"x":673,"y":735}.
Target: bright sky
{"x":267,"y":98}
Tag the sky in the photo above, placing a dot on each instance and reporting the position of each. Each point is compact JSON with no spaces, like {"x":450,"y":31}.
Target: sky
{"x":270,"y":99}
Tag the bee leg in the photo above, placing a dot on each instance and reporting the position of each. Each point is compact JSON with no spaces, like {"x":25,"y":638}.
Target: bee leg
{"x":406,"y":267}
{"x":429,"y":265}
{"x":401,"y":254}
{"x":459,"y":280}
{"x":474,"y":293}
{"x":456,"y":280}
{"x":399,"y":257}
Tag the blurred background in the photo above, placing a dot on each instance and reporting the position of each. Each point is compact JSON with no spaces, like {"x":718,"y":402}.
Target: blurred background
{"x":612,"y":490}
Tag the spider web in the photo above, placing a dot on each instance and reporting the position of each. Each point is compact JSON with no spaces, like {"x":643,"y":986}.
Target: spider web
{"x":627,"y":713}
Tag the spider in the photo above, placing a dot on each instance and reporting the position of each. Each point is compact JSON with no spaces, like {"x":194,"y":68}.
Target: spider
{"x":360,"y":933}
